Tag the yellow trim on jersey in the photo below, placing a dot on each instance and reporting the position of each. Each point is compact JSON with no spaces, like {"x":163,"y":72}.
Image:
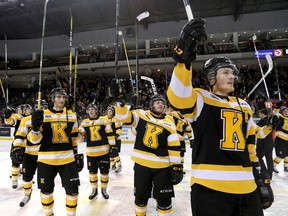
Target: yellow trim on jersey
{"x":228,"y":179}
{"x":56,"y":157}
{"x":150,"y":160}
{"x":95,"y":151}
{"x":282,"y":135}
{"x":32,"y":150}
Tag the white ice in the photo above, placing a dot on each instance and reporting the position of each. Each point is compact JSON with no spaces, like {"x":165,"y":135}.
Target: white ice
{"x":120,"y":189}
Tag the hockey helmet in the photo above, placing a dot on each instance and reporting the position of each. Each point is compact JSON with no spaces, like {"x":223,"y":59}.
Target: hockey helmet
{"x":282,"y":108}
{"x":58,"y":91}
{"x":112,"y":109}
{"x":91,"y":106}
{"x":156,"y":98}
{"x":212,"y":65}
{"x":43,"y":103}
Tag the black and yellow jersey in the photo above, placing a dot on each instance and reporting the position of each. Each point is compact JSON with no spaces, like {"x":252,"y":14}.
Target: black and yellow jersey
{"x":14,"y":120}
{"x":58,"y":136}
{"x":224,"y":133}
{"x":99,"y":135}
{"x":116,"y":127}
{"x":157,"y":144}
{"x":182,"y":126}
{"x":282,"y":128}
{"x":21,"y":137}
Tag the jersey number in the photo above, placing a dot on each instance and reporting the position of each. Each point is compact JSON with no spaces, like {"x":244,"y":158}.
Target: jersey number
{"x":233,"y":138}
{"x":151,"y":135}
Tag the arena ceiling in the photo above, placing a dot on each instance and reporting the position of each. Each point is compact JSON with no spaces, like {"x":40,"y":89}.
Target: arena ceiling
{"x":22,"y":19}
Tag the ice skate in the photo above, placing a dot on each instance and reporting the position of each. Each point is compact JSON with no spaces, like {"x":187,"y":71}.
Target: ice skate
{"x":104,"y":193}
{"x":14,"y":183}
{"x":25,"y":200}
{"x":93,"y":194}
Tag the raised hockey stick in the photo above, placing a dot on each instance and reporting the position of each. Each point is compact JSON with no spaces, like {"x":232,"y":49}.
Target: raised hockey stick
{"x":270,"y":67}
{"x":70,"y":54}
{"x":127,"y":60}
{"x":188,"y":9}
{"x":152,"y":83}
{"x":3,"y":92}
{"x":6,"y":73}
{"x":75,"y":78}
{"x":254,"y":38}
{"x":41,"y":53}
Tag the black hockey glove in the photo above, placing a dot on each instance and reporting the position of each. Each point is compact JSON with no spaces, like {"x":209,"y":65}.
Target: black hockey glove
{"x":265,"y":191}
{"x":176,"y":174}
{"x":79,"y":158}
{"x":17,"y":154}
{"x":273,"y":121}
{"x":113,"y":151}
{"x":8,"y":112}
{"x":263,"y":186}
{"x":37,"y":119}
{"x":192,"y":33}
{"x":117,"y":89}
{"x":182,"y":151}
{"x":70,"y":102}
{"x":279,"y":104}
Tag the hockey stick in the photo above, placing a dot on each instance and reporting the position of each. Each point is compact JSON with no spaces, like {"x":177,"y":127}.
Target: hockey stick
{"x":70,"y":54}
{"x":41,"y":52}
{"x":127,"y":60}
{"x":270,"y":67}
{"x":188,"y":9}
{"x":152,"y":83}
{"x":75,"y":78}
{"x":6,"y":72}
{"x":117,"y":39}
{"x":254,"y":38}
{"x":3,"y":92}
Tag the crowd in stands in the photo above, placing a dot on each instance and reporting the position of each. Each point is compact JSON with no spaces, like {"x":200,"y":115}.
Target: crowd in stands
{"x":97,"y":89}
{"x":103,"y":53}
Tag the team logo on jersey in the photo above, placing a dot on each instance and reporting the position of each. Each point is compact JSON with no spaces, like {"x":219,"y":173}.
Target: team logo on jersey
{"x":150,"y":138}
{"x":59,"y":134}
{"x":285,"y":125}
{"x":94,"y":133}
{"x":233,"y":138}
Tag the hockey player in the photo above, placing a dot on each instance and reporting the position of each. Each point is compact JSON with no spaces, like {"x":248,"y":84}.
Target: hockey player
{"x":100,"y":137}
{"x":57,"y":130}
{"x":115,"y":161}
{"x":281,"y":140}
{"x":224,"y":156}
{"x":265,"y":146}
{"x":30,"y":155}
{"x":14,"y":119}
{"x":156,"y":152}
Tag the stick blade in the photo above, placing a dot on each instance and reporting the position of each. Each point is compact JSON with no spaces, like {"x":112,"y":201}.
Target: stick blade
{"x":270,"y":62}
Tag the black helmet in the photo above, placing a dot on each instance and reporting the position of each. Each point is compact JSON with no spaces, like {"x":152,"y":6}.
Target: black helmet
{"x":112,"y":109}
{"x":26,"y":106}
{"x":212,"y":65}
{"x":43,"y":103}
{"x":57,"y":91}
{"x":91,"y":105}
{"x":157,"y":97}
